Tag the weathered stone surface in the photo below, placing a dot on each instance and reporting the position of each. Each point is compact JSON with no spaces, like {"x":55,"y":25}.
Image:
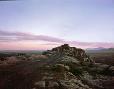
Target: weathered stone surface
{"x":68,"y":59}
{"x":52,"y":84}
{"x":40,"y":84}
{"x":112,"y":68}
{"x":73,"y":84}
{"x":62,"y":67}
{"x":69,"y":51}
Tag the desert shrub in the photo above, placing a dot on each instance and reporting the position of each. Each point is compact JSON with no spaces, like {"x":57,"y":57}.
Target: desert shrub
{"x":100,"y":71}
{"x":12,"y":60}
{"x":60,"y":68}
{"x":76,"y":71}
{"x":38,"y":56}
{"x":106,"y":72}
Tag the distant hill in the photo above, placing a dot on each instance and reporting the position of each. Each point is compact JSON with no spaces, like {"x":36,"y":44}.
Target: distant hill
{"x":99,"y":50}
{"x":111,"y":49}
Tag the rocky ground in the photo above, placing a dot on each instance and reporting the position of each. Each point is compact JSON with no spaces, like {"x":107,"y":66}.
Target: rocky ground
{"x":63,"y":67}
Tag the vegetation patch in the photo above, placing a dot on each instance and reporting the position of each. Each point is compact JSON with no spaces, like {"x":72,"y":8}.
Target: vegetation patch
{"x":76,"y":71}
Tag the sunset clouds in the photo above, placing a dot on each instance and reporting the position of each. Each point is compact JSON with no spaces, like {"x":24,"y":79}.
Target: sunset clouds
{"x":19,"y":36}
{"x":19,"y":40}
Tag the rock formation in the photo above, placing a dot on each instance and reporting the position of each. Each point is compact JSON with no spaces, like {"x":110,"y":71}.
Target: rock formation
{"x":65,"y":49}
{"x":74,"y":69}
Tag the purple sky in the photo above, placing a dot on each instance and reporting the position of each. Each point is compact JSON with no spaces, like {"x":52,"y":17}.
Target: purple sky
{"x":43,"y":24}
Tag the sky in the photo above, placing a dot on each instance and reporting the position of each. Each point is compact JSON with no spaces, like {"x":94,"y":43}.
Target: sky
{"x":43,"y":24}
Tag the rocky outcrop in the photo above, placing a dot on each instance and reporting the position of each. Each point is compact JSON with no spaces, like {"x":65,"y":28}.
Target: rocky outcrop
{"x":74,"y":69}
{"x":65,"y":49}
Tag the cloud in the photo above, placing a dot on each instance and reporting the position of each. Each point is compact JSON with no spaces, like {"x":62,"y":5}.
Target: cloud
{"x":51,"y":41}
{"x":19,"y":36}
{"x":92,"y":44}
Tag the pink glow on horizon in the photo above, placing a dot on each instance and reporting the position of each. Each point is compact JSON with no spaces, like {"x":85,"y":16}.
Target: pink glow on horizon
{"x":24,"y":46}
{"x":46,"y":46}
{"x":26,"y":41}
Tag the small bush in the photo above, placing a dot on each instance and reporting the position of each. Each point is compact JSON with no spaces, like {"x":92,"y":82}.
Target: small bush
{"x":60,"y":68}
{"x":76,"y":71}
